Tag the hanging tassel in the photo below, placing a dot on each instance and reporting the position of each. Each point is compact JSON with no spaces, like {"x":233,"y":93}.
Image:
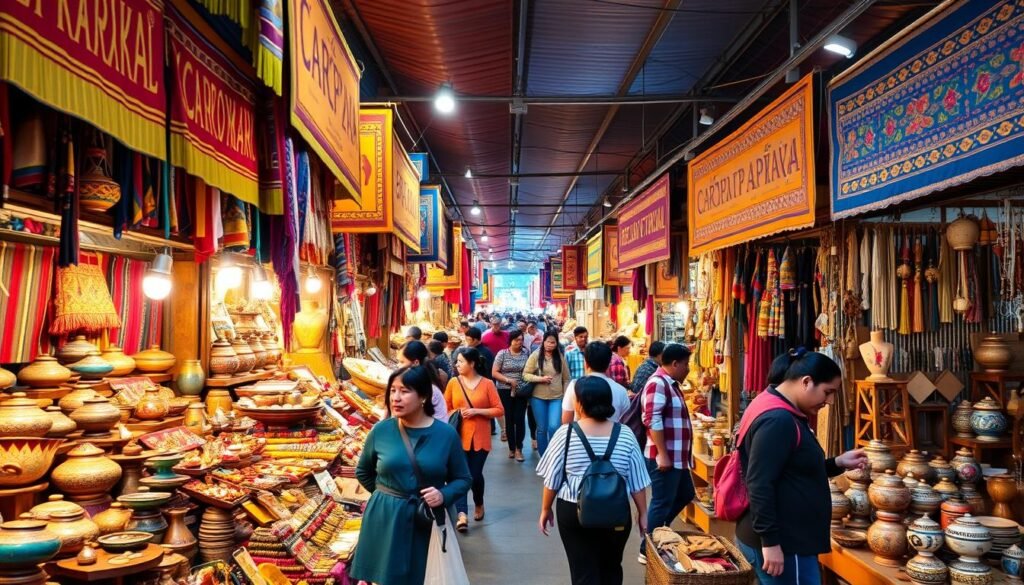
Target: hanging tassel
{"x":918,"y":310}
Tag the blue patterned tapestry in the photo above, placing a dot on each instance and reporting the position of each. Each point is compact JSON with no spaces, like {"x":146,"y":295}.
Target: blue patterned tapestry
{"x":942,"y":106}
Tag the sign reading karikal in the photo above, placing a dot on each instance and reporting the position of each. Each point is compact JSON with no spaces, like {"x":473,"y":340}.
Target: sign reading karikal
{"x":759,"y":180}
{"x":325,"y":89}
{"x":100,"y":61}
{"x":644,"y":227}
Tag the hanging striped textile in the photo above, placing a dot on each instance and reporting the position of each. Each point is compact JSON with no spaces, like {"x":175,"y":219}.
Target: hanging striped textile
{"x":270,"y":52}
{"x":26,"y":273}
{"x":141,"y":318}
{"x":82,"y":301}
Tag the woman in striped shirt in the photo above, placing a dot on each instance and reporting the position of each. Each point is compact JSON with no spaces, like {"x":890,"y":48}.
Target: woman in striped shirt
{"x":594,"y":554}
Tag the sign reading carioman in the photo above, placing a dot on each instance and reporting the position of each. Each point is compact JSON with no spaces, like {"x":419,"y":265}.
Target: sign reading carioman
{"x":325,"y":89}
{"x":644,"y":227}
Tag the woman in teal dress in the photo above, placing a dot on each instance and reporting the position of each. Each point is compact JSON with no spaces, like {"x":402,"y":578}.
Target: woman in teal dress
{"x":392,"y":548}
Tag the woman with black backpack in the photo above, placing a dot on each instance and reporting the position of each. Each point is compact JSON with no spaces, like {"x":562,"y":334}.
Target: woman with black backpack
{"x":593,"y":466}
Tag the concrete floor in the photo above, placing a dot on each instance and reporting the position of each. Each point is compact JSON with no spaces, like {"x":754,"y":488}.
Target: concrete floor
{"x":506,"y":548}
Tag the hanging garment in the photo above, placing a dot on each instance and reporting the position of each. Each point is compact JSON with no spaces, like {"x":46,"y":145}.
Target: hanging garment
{"x":892,"y":283}
{"x":866,"y":256}
{"x":947,"y":273}
{"x":918,"y":292}
{"x":787,"y":271}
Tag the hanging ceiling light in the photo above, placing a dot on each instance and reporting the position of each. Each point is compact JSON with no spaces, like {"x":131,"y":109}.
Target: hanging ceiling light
{"x":423,"y":293}
{"x":313,"y":282}
{"x":492,"y":256}
{"x":156,"y":284}
{"x":229,"y":275}
{"x":607,"y":202}
{"x":484,"y":236}
{"x":444,"y":101}
{"x":706,"y":119}
{"x":262,"y":288}
{"x":469,"y":173}
{"x":371,"y":290}
{"x":475,"y":210}
{"x":841,"y":46}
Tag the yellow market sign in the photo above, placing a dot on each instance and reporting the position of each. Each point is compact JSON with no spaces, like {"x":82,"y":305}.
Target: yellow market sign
{"x":595,"y":262}
{"x":759,"y":180}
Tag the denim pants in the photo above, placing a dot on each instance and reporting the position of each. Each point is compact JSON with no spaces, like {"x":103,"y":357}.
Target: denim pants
{"x":798,"y":569}
{"x":671,"y":491}
{"x":476,"y":459}
{"x":549,"y":417}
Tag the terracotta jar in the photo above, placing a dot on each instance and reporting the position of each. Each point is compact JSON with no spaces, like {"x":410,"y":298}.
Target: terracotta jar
{"x":993,"y":354}
{"x":75,"y":399}
{"x":952,"y":509}
{"x":55,"y":503}
{"x":969,"y":494}
{"x":21,"y":417}
{"x":910,"y":480}
{"x":273,"y":351}
{"x":75,"y":350}
{"x":860,"y":506}
{"x":1002,"y":489}
{"x":840,"y":505}
{"x":889,"y":494}
{"x":246,"y":359}
{"x":191,"y":378}
{"x":924,"y":499}
{"x":218,"y":399}
{"x":26,"y":543}
{"x":880,"y":457}
{"x":961,"y":420}
{"x":966,"y":467}
{"x":62,"y":425}
{"x":917,"y":463}
{"x":115,"y":356}
{"x":113,"y":519}
{"x":86,"y":474}
{"x":942,"y":468}
{"x":96,"y":416}
{"x":195,"y":417}
{"x":258,"y":351}
{"x":92,"y":366}
{"x":154,"y":360}
{"x":87,"y":556}
{"x":947,"y":489}
{"x":223,"y":360}
{"x":988,"y":420}
{"x":152,"y":406}
{"x":967,"y":538}
{"x":7,"y":379}
{"x":73,"y":529}
{"x":178,"y":537}
{"x":887,"y":538}
{"x":45,"y":372}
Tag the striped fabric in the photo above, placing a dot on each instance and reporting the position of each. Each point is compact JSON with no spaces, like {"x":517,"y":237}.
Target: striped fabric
{"x":141,"y":318}
{"x":626,"y":458}
{"x":27,"y":274}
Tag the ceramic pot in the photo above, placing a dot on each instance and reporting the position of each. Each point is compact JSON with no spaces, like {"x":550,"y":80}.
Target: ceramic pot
{"x":7,"y":379}
{"x":151,"y":521}
{"x":966,"y":467}
{"x":258,"y":351}
{"x":1002,"y":489}
{"x":123,"y":365}
{"x":25,"y":460}
{"x":246,"y":359}
{"x":993,"y":354}
{"x":273,"y":351}
{"x":178,"y":537}
{"x":75,"y":399}
{"x":1012,"y":562}
{"x":969,"y":572}
{"x":21,"y":417}
{"x":97,"y":191}
{"x":96,"y":417}
{"x":86,"y":556}
{"x":924,"y":499}
{"x":195,"y":417}
{"x":963,"y":233}
{"x":26,"y":543}
{"x":880,"y":457}
{"x":191,"y":378}
{"x":92,"y":366}
{"x":889,"y":494}
{"x":73,"y":529}
{"x":988,"y":420}
{"x":973,"y":498}
{"x":152,"y":406}
{"x":967,"y":538}
{"x":309,"y":327}
{"x":218,"y":399}
{"x":910,"y":480}
{"x":925,"y":535}
{"x":45,"y":372}
{"x":62,"y":425}
{"x":840,"y":505}
{"x":86,"y":474}
{"x":952,"y":509}
{"x":942,"y":468}
{"x":55,"y":503}
{"x":962,"y":420}
{"x":126,"y":411}
{"x":946,"y":489}
{"x":887,"y":538}
{"x":75,"y":350}
{"x":860,"y":506}
{"x":917,"y":463}
{"x":154,"y":360}
{"x":223,"y":360}
{"x":926,"y":570}
{"x":113,"y":519}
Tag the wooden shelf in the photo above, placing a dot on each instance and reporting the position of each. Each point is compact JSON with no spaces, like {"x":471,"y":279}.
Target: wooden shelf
{"x":103,"y":570}
{"x":237,"y":380}
{"x":975,"y":443}
{"x":149,"y":426}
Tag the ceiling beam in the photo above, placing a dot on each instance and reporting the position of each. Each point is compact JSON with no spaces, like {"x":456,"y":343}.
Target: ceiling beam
{"x":573,"y":100}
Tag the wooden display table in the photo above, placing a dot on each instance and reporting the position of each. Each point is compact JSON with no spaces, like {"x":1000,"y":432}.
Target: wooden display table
{"x":978,"y":447}
{"x":854,"y":565}
{"x":696,"y":513}
{"x":883,"y":413}
{"x":103,"y":570}
{"x":994,"y":384}
{"x":238,"y":380}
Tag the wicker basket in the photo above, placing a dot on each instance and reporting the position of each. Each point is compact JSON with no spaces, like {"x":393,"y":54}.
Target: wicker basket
{"x":658,"y":573}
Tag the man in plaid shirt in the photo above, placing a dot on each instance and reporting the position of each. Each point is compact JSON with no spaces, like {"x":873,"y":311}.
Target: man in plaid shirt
{"x":574,"y":353}
{"x":669,"y":449}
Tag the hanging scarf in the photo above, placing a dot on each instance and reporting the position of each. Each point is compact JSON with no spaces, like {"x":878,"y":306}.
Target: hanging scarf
{"x":787,"y":272}
{"x":270,"y":52}
{"x":918,"y":293}
{"x":947,"y":270}
{"x":124,"y":174}
{"x":866,"y":260}
{"x":236,"y":222}
{"x":851,"y":281}
{"x":284,"y":254}
{"x":209,"y":228}
{"x":271,"y":140}
{"x":26,"y":272}
{"x":890,"y":264}
{"x":62,"y":188}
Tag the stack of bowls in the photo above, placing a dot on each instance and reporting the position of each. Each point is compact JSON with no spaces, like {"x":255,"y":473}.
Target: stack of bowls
{"x":216,"y":535}
{"x":1005,"y":533}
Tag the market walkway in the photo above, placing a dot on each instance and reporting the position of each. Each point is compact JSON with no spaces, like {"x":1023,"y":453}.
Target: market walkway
{"x":506,"y":548}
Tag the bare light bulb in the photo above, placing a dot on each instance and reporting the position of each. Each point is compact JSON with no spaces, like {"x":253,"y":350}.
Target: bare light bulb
{"x":229,"y":276}
{"x":156,"y":284}
{"x":371,"y":290}
{"x":313,"y":283}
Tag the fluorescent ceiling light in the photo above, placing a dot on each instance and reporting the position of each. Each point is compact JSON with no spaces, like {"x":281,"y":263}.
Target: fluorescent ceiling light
{"x":841,"y":46}
{"x":706,"y":119}
{"x":475,"y":210}
{"x":469,"y":173}
{"x":444,"y":101}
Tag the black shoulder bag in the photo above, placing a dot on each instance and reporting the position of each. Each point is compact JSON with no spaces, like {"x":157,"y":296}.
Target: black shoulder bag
{"x":455,"y":418}
{"x":425,"y":515}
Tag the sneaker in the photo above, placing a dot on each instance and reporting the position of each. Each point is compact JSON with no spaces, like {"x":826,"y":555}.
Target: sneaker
{"x":462,"y":525}
{"x":642,"y":559}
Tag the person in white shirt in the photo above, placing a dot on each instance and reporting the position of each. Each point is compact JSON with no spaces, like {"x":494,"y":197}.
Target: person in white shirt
{"x":596,"y":357}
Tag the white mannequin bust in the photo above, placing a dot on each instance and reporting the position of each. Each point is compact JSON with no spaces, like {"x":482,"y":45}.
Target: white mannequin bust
{"x":877,"y":355}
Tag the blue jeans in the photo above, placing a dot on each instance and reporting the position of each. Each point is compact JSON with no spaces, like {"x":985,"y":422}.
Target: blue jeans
{"x":549,"y":417}
{"x":798,"y":569}
{"x":671,"y":491}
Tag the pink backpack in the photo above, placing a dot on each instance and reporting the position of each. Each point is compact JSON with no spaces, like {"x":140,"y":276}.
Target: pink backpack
{"x":730,"y":490}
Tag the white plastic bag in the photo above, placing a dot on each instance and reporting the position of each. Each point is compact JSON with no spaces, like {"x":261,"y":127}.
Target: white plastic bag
{"x":444,"y":559}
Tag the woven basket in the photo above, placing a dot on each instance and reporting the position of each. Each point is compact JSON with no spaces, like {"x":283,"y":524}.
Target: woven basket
{"x":659,"y":573}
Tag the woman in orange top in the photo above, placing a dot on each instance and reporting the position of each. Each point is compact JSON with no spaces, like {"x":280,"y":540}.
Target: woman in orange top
{"x":482,"y":405}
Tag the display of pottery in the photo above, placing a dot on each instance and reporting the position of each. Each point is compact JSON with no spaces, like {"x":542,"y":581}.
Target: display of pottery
{"x":946,"y":489}
{"x":21,"y":416}
{"x":62,"y":425}
{"x":880,"y":456}
{"x":968,"y":538}
{"x":246,"y":359}
{"x":925,"y":535}
{"x":840,"y":505}
{"x":113,"y":519}
{"x":164,"y":478}
{"x":123,"y":364}
{"x":926,"y":570}
{"x":309,"y":326}
{"x":223,"y":360}
{"x":216,"y":535}
{"x":1005,"y":533}
{"x":952,"y":509}
{"x":96,"y":416}
{"x":961,"y":420}
{"x":25,"y":460}
{"x":888,"y":493}
{"x":146,"y":516}
{"x":44,"y":372}
{"x":988,"y":420}
{"x":26,"y":543}
{"x":191,"y":378}
{"x":849,"y":538}
{"x":75,"y":399}
{"x":75,"y":350}
{"x":178,"y":538}
{"x":887,"y":538}
{"x":941,"y":468}
{"x":917,"y":463}
{"x":860,"y":506}
{"x":962,"y":233}
{"x":1012,"y":563}
{"x":86,"y":474}
{"x":154,"y":360}
{"x":218,"y":400}
{"x":273,"y":351}
{"x":910,"y":481}
{"x":258,"y":351}
{"x":195,"y":417}
{"x":92,"y":366}
{"x":7,"y":379}
{"x":152,"y":406}
{"x":993,"y":354}
{"x":73,"y":529}
{"x":924,"y":500}
{"x":966,"y":467}
{"x":1002,"y":489}
{"x":969,"y":572}
{"x":54,"y":503}
{"x":877,"y":356}
{"x":974,"y":499}
{"x":97,"y":191}
{"x":86,"y":556}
